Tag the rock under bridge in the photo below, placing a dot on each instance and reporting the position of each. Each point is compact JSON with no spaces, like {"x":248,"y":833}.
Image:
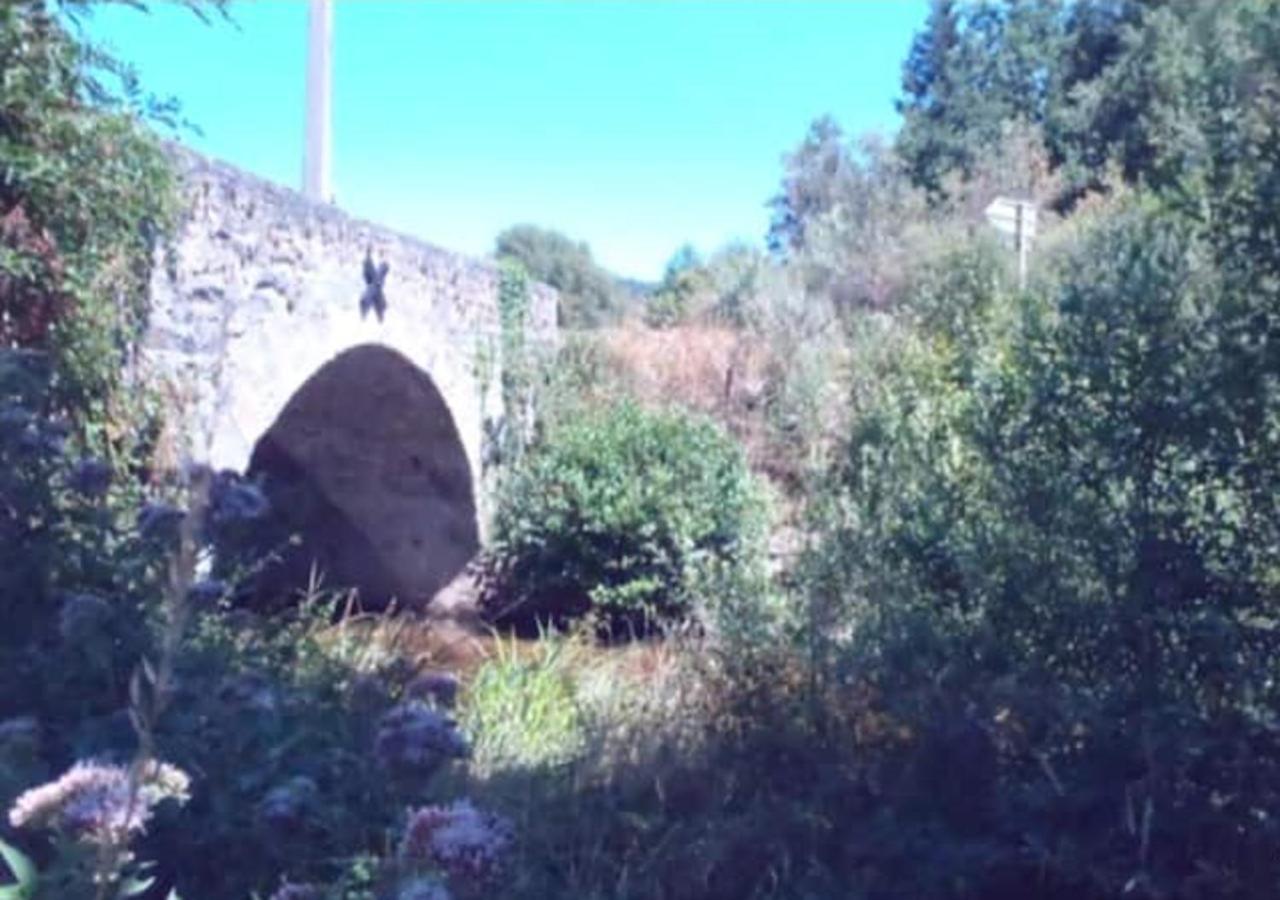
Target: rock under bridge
{"x":370,"y":429}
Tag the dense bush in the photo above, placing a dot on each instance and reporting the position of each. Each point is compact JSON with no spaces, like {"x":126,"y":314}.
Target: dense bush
{"x":1058,"y":562}
{"x":589,"y":296}
{"x":616,"y":513}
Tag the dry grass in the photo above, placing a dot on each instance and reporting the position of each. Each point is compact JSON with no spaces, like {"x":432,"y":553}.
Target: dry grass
{"x":714,"y":370}
{"x":720,"y":372}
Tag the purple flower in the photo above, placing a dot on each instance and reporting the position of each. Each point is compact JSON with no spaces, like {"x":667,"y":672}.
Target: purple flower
{"x":413,"y":737}
{"x":98,"y":802}
{"x":285,"y":807}
{"x":159,"y":521}
{"x":462,"y":840}
{"x":83,"y":617}
{"x":232,"y":498}
{"x":90,"y":478}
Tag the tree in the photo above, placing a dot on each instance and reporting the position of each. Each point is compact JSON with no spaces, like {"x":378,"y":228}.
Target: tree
{"x":974,"y":67}
{"x":589,"y":296}
{"x":1143,"y":89}
{"x":811,"y":184}
{"x":86,"y":195}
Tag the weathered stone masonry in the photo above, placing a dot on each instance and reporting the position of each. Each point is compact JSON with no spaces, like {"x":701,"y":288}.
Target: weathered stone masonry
{"x":261,"y":292}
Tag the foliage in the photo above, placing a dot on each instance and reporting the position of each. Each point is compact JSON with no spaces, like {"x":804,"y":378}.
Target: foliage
{"x":508,"y":433}
{"x":1058,"y":553}
{"x":616,"y":511}
{"x":86,"y":195}
{"x":684,"y":281}
{"x":1149,"y":89}
{"x":589,"y":297}
{"x":523,"y":711}
{"x":974,"y":67}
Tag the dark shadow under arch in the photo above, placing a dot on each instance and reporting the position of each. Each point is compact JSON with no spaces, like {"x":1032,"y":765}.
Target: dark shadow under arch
{"x":365,"y":465}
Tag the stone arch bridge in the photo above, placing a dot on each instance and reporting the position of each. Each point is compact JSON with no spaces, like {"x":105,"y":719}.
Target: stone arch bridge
{"x":375,"y":427}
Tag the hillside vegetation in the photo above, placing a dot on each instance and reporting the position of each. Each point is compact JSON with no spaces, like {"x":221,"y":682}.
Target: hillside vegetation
{"x":845,"y":568}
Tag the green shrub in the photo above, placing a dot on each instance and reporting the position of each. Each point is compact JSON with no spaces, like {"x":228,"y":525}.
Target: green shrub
{"x":616,"y":513}
{"x":1057,"y":565}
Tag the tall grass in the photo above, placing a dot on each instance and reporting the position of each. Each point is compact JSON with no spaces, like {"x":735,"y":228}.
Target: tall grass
{"x":521,"y":708}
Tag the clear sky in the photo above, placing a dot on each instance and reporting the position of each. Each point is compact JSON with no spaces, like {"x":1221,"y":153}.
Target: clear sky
{"x":635,"y":126}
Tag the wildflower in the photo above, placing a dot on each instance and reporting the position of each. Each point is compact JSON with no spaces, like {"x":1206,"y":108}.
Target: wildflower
{"x":459,"y":838}
{"x":99,"y":802}
{"x":159,"y":521}
{"x":423,"y":889}
{"x":414,"y":737}
{"x":291,"y":891}
{"x":90,"y":477}
{"x":162,"y":781}
{"x":437,"y":686}
{"x":83,"y":617}
{"x":285,"y":806}
{"x":232,"y":498}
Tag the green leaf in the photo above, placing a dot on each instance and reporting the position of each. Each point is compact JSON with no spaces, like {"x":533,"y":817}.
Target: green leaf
{"x":135,"y":886}
{"x":23,"y":869}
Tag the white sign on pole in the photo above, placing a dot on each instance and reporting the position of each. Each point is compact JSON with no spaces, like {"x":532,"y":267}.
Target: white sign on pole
{"x":1016,"y":218}
{"x":1005,"y":214}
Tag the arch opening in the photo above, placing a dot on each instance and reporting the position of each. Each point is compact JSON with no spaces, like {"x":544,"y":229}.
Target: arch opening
{"x":366,"y":466}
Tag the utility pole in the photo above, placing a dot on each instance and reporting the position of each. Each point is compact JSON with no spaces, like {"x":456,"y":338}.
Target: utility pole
{"x":317,"y":153}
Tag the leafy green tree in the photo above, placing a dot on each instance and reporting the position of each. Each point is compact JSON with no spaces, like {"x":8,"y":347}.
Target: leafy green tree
{"x":974,"y":67}
{"x":1059,"y":552}
{"x":811,"y":184}
{"x":1144,"y":88}
{"x":683,"y":291}
{"x":86,"y":195}
{"x":589,"y":297}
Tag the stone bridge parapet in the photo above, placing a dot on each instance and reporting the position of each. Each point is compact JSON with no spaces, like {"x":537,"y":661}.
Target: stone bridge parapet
{"x":262,"y":289}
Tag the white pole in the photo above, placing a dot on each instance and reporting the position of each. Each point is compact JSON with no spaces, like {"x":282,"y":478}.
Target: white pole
{"x":317,"y":152}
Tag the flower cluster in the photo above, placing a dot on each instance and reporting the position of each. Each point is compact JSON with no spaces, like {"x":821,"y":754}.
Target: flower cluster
{"x":462,"y":840}
{"x":100,"y":802}
{"x":159,"y":521}
{"x":233,"y":498}
{"x":412,"y":737}
{"x":285,"y":807}
{"x":90,"y":478}
{"x":83,"y":617}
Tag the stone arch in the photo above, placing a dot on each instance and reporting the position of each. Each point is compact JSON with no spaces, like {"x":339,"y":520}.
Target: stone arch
{"x":366,"y":464}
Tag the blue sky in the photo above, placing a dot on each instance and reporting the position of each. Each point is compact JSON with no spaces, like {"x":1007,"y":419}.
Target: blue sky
{"x":635,"y":126}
